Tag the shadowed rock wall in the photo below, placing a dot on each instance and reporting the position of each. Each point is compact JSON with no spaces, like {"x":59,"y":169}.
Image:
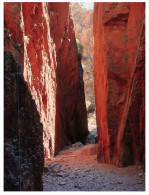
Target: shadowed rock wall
{"x":23,"y":143}
{"x":119,"y":73}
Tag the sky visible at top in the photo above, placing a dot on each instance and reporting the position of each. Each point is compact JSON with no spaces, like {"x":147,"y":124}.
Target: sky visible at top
{"x":87,"y":5}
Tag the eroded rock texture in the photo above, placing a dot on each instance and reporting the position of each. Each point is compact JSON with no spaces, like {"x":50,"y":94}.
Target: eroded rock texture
{"x":119,"y":50}
{"x":23,"y":143}
{"x":41,"y":36}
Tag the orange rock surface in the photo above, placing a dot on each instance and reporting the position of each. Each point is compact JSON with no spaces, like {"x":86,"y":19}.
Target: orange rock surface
{"x":119,"y":59}
{"x":41,"y":37}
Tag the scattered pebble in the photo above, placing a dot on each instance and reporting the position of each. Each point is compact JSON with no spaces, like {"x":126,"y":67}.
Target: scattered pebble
{"x":62,"y":183}
{"x":139,"y":182}
{"x":60,"y":174}
{"x":119,"y":182}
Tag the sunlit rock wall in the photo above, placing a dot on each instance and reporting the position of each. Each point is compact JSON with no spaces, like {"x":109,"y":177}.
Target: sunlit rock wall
{"x":43,"y":40}
{"x":119,"y":59}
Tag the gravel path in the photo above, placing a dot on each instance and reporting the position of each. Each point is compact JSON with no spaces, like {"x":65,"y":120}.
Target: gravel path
{"x":76,"y":169}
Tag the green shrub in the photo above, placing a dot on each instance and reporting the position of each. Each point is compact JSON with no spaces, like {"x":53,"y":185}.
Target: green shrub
{"x":85,"y":57}
{"x":79,"y":47}
{"x":91,"y":108}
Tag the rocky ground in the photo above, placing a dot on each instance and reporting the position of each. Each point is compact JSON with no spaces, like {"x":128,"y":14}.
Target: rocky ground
{"x":76,"y":169}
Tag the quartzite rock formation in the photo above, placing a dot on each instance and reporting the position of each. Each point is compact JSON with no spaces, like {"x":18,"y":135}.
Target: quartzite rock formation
{"x":40,"y":37}
{"x":43,"y":33}
{"x":119,"y":57}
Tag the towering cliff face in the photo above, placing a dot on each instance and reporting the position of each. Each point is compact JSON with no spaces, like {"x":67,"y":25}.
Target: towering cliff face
{"x":40,"y":36}
{"x":119,"y":81}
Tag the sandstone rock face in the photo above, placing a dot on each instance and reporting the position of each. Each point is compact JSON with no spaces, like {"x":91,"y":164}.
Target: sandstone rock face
{"x":119,"y":59}
{"x":46,"y":49}
{"x":23,"y":143}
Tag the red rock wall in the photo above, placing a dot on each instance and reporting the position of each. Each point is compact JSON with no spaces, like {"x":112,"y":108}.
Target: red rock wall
{"x":43,"y":32}
{"x":119,"y":81}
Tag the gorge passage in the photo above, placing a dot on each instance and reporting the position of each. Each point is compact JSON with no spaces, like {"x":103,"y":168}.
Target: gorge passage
{"x":44,"y":100}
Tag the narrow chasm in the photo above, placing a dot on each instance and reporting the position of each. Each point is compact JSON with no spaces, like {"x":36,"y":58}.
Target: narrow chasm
{"x":74,"y":96}
{"x":82,"y":17}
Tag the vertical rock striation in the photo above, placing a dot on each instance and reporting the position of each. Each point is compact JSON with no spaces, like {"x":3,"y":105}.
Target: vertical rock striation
{"x":40,"y":38}
{"x":52,"y":69}
{"x":119,"y":73}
